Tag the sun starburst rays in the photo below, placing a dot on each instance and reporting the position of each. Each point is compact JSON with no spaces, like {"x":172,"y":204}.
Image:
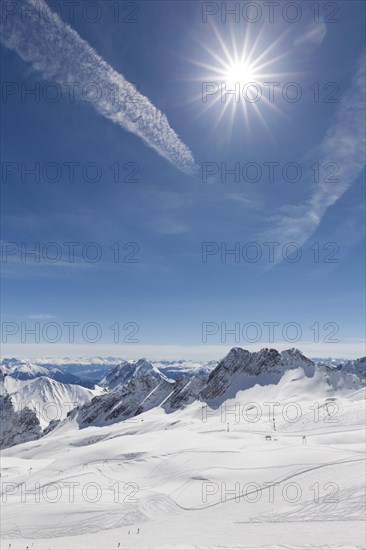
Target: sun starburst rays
{"x":239,"y":65}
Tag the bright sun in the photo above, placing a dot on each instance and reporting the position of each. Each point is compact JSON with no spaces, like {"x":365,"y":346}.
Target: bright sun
{"x":239,"y":72}
{"x":240,"y":60}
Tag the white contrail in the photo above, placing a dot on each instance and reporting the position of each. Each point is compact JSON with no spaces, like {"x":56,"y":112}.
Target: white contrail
{"x":59,"y":54}
{"x":343,"y":144}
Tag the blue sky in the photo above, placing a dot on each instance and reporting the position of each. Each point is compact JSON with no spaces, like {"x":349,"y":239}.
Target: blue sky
{"x":168,"y":210}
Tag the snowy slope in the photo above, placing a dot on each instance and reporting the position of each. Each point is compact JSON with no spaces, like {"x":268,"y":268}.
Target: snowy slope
{"x":266,"y":453}
{"x":49,"y":399}
{"x":185,"y":481}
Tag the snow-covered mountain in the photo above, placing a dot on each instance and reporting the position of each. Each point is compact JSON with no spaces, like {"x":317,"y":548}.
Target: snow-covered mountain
{"x":186,"y":479}
{"x":49,"y":399}
{"x":88,"y":371}
{"x":353,"y":366}
{"x":175,"y":369}
{"x":123,"y":373}
{"x":241,"y":370}
{"x":138,"y":387}
{"x":357,"y":367}
{"x":180,"y":480}
{"x":134,"y":387}
{"x":138,"y":395}
{"x":101,"y":372}
{"x":16,"y":426}
{"x":24,"y":370}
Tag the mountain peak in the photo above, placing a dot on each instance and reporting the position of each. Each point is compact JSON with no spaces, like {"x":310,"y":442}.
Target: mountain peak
{"x":242,"y":369}
{"x":234,"y":357}
{"x":126,"y":371}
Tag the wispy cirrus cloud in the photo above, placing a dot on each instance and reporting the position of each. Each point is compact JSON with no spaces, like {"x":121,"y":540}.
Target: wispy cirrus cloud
{"x":343,"y":144}
{"x":41,"y":316}
{"x":60,"y":55}
{"x":169,"y":226}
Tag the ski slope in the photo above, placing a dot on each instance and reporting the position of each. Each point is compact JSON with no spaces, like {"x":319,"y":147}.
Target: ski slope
{"x":198,"y":477}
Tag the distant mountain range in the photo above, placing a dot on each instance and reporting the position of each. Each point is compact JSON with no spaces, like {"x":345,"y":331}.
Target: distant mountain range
{"x":21,"y":370}
{"x":130,"y":388}
{"x":90,"y":371}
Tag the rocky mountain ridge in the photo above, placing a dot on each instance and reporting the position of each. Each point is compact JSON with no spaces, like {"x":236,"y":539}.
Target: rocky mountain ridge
{"x":134,"y":387}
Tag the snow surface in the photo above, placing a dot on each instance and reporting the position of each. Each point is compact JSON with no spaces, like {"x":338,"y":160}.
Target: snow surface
{"x":201,"y":477}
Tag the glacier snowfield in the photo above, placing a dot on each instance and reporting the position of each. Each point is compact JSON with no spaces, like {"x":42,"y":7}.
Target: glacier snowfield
{"x":241,"y":476}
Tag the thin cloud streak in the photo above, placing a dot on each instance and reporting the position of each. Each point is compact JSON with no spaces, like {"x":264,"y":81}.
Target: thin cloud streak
{"x":41,"y":316}
{"x":343,"y":144}
{"x":60,"y":55}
